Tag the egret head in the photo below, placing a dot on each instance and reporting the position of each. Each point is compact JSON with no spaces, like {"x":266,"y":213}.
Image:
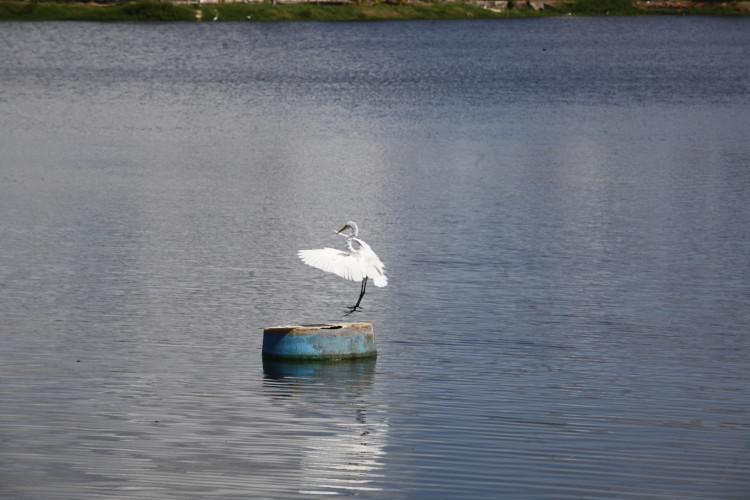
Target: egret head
{"x":350,"y":225}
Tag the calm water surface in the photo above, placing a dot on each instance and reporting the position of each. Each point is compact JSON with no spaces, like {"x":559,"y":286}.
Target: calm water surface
{"x":563,"y":206}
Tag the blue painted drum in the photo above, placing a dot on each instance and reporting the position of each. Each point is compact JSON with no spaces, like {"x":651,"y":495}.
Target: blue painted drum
{"x":319,"y":342}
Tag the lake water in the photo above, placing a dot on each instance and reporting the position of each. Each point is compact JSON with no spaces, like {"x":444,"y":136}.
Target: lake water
{"x":563,"y":207}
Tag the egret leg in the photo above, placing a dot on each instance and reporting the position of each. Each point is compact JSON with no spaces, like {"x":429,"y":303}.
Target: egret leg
{"x":361,"y":294}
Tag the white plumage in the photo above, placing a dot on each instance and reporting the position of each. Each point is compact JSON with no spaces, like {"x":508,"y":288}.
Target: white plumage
{"x":361,"y":264}
{"x":356,"y":264}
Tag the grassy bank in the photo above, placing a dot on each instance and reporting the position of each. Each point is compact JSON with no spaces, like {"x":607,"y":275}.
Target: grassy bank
{"x":165,"y":11}
{"x":317,"y":12}
{"x":74,"y":11}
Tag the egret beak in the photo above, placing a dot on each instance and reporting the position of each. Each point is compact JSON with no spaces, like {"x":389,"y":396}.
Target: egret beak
{"x":339,"y":231}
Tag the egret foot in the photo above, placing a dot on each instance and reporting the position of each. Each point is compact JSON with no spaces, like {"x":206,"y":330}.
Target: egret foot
{"x":352,"y":309}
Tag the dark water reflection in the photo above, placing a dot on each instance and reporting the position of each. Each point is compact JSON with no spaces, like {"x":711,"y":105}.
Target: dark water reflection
{"x":562,"y":205}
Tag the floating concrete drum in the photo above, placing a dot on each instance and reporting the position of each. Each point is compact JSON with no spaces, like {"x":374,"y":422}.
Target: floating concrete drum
{"x":319,"y":342}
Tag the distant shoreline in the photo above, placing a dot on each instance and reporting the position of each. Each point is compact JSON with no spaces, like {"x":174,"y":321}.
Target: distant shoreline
{"x":35,"y":10}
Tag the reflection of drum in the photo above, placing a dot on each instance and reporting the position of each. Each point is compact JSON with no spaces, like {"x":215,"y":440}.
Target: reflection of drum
{"x":339,"y":431}
{"x":350,"y":378}
{"x":319,"y":342}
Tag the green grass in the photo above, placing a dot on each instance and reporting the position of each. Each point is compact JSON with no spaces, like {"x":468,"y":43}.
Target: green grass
{"x":156,"y":11}
{"x":137,"y":11}
{"x":165,"y":11}
{"x":715,"y":10}
{"x":629,"y":8}
{"x":316,"y":12}
{"x":603,"y":7}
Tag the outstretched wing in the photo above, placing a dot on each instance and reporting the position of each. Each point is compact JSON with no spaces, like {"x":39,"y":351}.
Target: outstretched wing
{"x":334,"y":261}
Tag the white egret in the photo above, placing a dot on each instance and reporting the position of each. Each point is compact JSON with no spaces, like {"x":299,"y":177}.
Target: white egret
{"x":358,"y":264}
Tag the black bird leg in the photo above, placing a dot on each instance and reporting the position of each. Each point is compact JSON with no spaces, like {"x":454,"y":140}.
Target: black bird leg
{"x":356,"y":307}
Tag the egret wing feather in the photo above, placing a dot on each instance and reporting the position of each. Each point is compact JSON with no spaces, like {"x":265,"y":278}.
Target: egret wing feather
{"x":330,"y":260}
{"x":371,"y":264}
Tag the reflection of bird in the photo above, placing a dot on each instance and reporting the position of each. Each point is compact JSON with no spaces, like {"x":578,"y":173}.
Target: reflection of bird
{"x":356,"y":264}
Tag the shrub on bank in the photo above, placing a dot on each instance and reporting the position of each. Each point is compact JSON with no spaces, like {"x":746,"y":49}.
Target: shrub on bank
{"x":135,"y":11}
{"x":603,"y":7}
{"x":156,"y":11}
